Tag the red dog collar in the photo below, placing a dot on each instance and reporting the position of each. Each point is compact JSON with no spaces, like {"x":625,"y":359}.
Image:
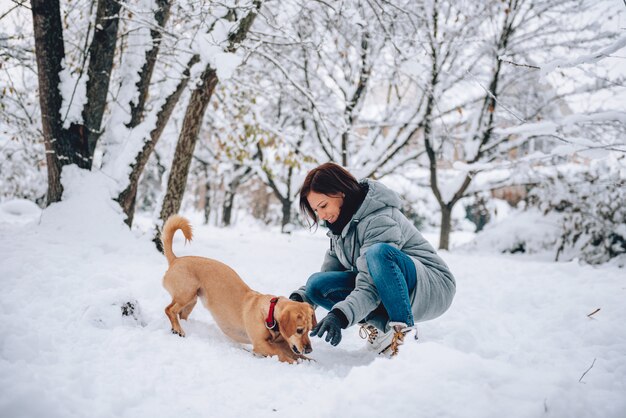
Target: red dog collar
{"x":270,"y":322}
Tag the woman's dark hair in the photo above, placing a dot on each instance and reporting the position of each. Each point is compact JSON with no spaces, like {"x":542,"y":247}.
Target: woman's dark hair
{"x":330,"y":179}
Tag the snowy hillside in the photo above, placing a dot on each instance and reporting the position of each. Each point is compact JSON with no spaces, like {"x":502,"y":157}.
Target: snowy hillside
{"x":516,"y":342}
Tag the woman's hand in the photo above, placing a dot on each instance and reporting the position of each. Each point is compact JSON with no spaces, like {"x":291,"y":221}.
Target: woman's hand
{"x":331,"y":326}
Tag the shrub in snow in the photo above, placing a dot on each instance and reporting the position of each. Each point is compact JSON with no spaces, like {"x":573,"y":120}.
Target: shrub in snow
{"x":591,"y":205}
{"x":524,"y":231}
{"x":476,"y":210}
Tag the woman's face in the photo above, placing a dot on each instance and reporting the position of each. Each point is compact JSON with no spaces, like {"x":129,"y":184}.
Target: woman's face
{"x":326,"y":207}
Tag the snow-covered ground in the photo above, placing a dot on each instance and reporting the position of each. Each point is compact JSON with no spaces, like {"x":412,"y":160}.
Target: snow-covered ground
{"x":517,"y":341}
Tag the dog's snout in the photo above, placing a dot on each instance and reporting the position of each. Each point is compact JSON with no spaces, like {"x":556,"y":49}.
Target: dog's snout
{"x":307,"y":349}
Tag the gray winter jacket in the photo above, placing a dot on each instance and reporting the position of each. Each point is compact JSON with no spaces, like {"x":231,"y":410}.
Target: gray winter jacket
{"x":379,"y":220}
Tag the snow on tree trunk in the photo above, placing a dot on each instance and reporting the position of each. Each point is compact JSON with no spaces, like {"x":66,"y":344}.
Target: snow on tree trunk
{"x":128,"y":196}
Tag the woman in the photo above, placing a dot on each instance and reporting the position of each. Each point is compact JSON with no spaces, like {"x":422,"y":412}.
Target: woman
{"x":379,"y":271}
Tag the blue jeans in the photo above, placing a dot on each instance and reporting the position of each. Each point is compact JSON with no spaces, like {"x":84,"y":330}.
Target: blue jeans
{"x":394,"y":276}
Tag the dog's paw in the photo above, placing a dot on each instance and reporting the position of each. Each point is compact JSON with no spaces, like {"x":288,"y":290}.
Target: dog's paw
{"x":179,"y":333}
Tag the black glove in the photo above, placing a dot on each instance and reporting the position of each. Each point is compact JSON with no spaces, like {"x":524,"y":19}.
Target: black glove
{"x":331,"y":325}
{"x":296,"y":297}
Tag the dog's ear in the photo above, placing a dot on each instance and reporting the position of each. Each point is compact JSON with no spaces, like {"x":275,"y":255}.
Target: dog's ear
{"x":284,"y":318}
{"x":313,"y":318}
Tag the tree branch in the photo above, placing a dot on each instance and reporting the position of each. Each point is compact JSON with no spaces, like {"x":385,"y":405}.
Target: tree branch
{"x":590,"y":367}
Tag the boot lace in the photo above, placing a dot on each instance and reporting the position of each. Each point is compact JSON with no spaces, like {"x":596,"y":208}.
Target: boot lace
{"x":368,"y":332}
{"x":397,"y":340}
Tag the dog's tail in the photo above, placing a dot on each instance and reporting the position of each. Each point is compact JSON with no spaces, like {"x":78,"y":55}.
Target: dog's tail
{"x":173,"y":224}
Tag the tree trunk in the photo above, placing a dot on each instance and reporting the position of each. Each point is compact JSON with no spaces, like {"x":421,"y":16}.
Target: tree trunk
{"x":356,"y":98}
{"x":285,"y":199}
{"x":240,"y":174}
{"x":446,"y":227}
{"x":207,"y":199}
{"x":186,"y":143}
{"x":227,"y":207}
{"x":286,"y":216}
{"x":63,"y":146}
{"x":101,"y":54}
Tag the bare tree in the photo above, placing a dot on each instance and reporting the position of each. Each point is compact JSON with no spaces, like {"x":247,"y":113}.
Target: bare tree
{"x":486,"y":114}
{"x":518,"y":31}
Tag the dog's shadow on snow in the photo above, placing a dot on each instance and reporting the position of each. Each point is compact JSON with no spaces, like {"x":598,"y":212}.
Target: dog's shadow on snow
{"x":338,"y":359}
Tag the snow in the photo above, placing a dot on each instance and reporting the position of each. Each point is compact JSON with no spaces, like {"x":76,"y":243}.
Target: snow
{"x":210,"y":46}
{"x":73,"y":89}
{"x":19,"y":211}
{"x":225,"y":63}
{"x":516,"y":341}
{"x":547,"y":128}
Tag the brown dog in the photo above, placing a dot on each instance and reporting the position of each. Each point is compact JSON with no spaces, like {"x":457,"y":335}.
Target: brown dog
{"x":274,"y":326}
